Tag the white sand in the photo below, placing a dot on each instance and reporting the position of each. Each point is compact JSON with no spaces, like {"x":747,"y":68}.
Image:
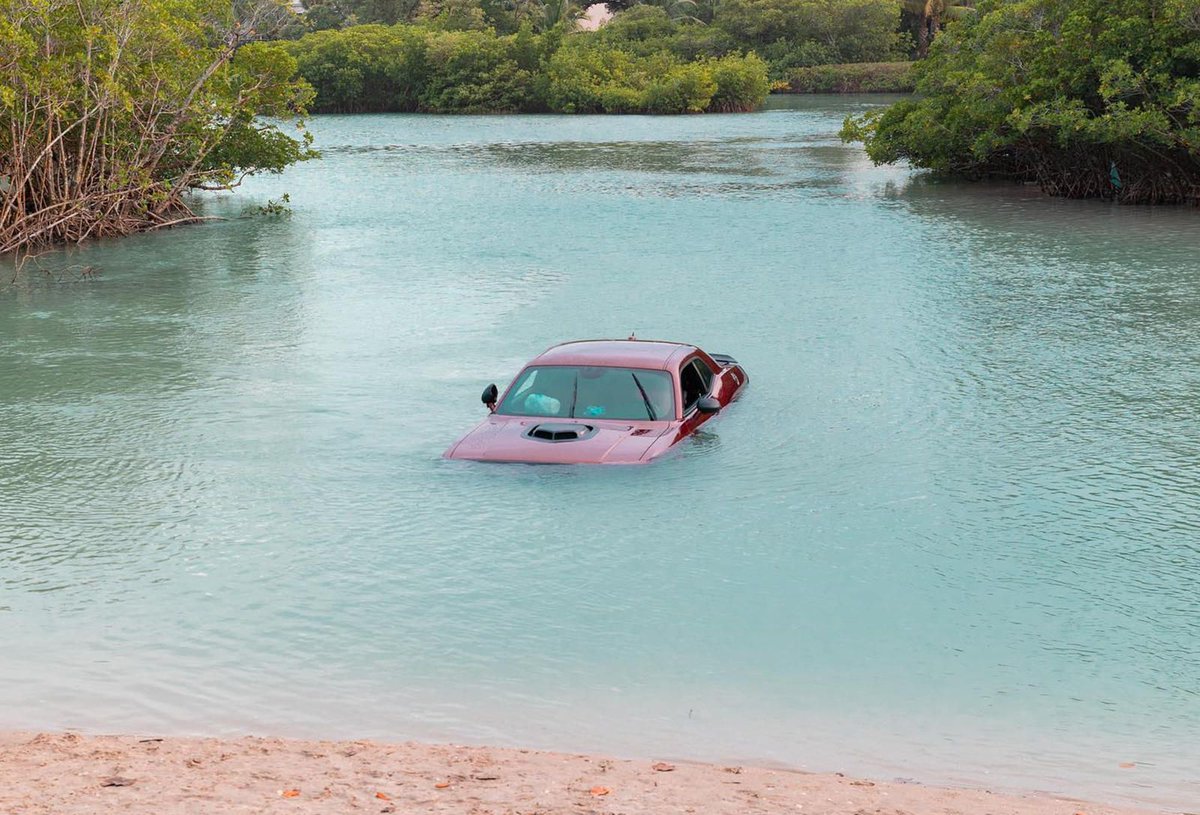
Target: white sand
{"x":62,"y":774}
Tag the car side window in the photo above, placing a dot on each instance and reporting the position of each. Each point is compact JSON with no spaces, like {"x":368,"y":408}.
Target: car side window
{"x":694,"y":381}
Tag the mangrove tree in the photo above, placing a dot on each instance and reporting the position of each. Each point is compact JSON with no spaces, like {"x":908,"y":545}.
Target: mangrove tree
{"x":1087,"y":98}
{"x":112,"y":110}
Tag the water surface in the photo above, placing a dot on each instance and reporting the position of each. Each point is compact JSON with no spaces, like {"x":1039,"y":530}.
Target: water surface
{"x":951,"y":533}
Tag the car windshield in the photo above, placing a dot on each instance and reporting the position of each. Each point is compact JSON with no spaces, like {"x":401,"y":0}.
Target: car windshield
{"x":568,"y":392}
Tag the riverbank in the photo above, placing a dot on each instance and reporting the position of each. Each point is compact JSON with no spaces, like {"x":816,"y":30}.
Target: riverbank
{"x":69,"y":773}
{"x":859,"y":77}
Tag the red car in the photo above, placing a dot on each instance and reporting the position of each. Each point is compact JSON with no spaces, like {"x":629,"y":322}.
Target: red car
{"x":602,"y":402}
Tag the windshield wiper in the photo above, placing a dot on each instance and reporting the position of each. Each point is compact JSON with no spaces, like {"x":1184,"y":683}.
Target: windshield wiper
{"x":574,"y":396}
{"x":645,"y":398}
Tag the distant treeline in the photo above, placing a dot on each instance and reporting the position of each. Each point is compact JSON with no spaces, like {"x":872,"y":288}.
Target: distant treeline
{"x":488,"y":56}
{"x":787,"y":34}
{"x":624,"y":68}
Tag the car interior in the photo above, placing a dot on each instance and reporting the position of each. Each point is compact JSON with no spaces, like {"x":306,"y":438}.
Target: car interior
{"x":694,"y":383}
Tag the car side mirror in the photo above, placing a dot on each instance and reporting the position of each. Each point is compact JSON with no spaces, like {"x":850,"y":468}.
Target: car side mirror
{"x":708,"y":404}
{"x":490,"y":394}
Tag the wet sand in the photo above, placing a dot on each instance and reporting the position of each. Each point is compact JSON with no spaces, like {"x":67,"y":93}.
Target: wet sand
{"x":68,"y":773}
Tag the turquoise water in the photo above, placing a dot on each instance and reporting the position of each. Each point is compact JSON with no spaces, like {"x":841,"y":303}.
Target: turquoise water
{"x":951,"y":533}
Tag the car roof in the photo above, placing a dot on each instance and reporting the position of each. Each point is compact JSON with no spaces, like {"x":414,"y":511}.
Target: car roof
{"x":653,"y":354}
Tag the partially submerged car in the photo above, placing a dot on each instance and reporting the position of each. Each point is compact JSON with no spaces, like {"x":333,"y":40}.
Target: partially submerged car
{"x":602,"y":402}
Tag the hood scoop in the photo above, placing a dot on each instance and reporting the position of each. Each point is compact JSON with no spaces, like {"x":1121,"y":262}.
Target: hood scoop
{"x":559,"y":432}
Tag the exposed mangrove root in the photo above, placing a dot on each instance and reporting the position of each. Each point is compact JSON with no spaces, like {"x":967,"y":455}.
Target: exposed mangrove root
{"x":110,"y":113}
{"x":1132,"y":174}
{"x":29,"y":267}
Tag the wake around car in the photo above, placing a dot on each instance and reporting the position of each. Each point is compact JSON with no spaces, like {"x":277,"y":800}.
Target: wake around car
{"x":602,"y":402}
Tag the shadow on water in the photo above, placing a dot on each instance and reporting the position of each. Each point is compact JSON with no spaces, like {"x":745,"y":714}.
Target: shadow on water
{"x":716,"y":158}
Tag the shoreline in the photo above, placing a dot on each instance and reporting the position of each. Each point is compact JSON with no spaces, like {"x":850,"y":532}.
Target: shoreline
{"x":44,"y":773}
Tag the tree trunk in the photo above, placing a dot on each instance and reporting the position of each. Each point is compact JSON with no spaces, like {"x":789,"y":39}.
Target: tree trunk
{"x":924,"y":35}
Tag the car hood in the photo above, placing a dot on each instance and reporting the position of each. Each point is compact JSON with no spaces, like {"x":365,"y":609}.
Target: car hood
{"x":507,"y":438}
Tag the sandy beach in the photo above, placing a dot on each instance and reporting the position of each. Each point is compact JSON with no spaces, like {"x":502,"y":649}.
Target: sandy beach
{"x":68,"y":773}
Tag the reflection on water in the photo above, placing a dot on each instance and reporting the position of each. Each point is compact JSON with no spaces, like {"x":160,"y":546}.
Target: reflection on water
{"x":722,"y":157}
{"x":950,"y":532}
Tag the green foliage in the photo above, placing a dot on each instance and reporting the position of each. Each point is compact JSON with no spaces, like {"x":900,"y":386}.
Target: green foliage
{"x":654,"y":56}
{"x":389,"y":12}
{"x":275,"y":206}
{"x":410,"y":68}
{"x":321,"y":15}
{"x":786,"y":33}
{"x":598,"y":80}
{"x":594,"y":80}
{"x":540,"y":15}
{"x":640,"y":29}
{"x":474,"y":72}
{"x":626,"y":70}
{"x":452,"y":15}
{"x":796,"y":33}
{"x":691,"y":42}
{"x":586,"y":79}
{"x":505,"y":16}
{"x":111,"y":111}
{"x":856,"y":77}
{"x":369,"y":68}
{"x":685,"y":88}
{"x":741,"y":83}
{"x":1062,"y":92}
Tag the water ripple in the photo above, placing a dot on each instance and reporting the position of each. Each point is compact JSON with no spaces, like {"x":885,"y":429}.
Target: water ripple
{"x":966,"y":462}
